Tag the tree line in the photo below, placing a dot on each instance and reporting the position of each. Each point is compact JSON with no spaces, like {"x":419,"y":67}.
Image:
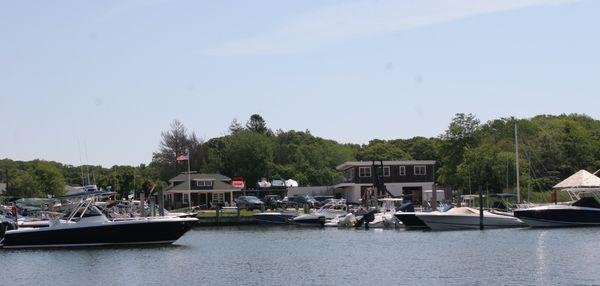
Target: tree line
{"x":469,"y":155}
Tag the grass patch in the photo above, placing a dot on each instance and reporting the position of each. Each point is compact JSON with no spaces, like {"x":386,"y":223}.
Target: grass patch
{"x":211,"y":213}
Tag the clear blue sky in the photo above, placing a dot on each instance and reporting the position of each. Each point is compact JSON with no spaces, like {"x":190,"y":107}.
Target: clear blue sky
{"x":111,"y":75}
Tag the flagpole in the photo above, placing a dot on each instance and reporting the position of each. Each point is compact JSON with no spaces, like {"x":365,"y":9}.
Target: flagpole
{"x":189,"y":180}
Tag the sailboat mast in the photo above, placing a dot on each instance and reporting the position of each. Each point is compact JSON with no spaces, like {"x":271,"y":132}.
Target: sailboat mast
{"x":517,"y":163}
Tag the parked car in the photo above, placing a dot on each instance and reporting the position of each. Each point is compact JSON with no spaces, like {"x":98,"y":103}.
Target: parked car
{"x":249,"y":202}
{"x":272,"y":201}
{"x":299,"y":201}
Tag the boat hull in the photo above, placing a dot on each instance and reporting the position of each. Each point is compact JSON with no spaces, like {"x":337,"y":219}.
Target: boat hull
{"x":559,"y":216}
{"x":462,"y":222}
{"x":310,"y":220}
{"x":410,"y":220}
{"x":159,"y":231}
{"x":274,"y":218}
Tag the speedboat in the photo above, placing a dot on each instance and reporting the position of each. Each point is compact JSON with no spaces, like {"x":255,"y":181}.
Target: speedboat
{"x":407,"y":216}
{"x":310,"y":220}
{"x":584,"y":189}
{"x":275,"y":217}
{"x":330,"y":211}
{"x":466,"y":218}
{"x":583,"y":212}
{"x":86,"y":225}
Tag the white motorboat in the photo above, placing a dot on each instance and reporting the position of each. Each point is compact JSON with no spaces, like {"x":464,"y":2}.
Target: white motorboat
{"x":385,"y":217}
{"x":330,"y":211}
{"x":466,"y":218}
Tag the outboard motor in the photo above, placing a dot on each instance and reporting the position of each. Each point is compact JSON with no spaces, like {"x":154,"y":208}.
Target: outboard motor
{"x":4,"y":226}
{"x":365,"y":219}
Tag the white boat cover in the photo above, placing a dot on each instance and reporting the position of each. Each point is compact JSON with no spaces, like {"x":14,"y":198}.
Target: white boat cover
{"x":291,"y":183}
{"x":580,"y":180}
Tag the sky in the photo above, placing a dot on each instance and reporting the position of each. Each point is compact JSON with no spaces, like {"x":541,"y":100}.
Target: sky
{"x":98,"y":81}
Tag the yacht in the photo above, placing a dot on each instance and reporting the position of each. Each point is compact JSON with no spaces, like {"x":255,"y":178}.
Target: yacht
{"x":466,"y":218}
{"x":583,"y":212}
{"x":86,"y":225}
{"x":584,"y":189}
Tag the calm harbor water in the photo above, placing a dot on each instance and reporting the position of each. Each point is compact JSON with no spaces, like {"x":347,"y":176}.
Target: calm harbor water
{"x":254,"y":255}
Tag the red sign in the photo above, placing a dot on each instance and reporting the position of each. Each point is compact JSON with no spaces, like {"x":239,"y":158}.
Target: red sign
{"x":238,"y":182}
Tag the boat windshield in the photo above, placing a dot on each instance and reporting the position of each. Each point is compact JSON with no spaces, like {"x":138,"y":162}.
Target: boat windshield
{"x":588,"y":202}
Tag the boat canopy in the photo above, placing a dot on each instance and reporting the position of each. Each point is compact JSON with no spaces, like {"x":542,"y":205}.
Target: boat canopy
{"x":580,"y":180}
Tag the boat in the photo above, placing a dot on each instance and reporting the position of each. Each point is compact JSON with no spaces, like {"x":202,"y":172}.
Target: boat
{"x":385,"y":217}
{"x":584,"y":189}
{"x":330,"y":211}
{"x":282,"y":217}
{"x":466,"y":218}
{"x":310,"y":220}
{"x":86,"y":225}
{"x":406,"y":215}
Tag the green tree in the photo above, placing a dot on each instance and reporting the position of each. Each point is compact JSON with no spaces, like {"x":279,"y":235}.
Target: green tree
{"x":25,"y":185}
{"x":50,"y":178}
{"x":250,"y":155}
{"x":460,"y":136}
{"x":379,"y":150}
{"x":257,"y":124}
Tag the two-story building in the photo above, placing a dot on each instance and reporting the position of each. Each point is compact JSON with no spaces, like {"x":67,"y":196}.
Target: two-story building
{"x":402,"y":178}
{"x":206,"y":190}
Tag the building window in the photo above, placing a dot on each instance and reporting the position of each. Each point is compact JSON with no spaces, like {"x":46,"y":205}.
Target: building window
{"x":386,"y":171}
{"x":420,"y":170}
{"x":204,"y":183}
{"x":364,"y":171}
{"x":184,"y":199}
{"x":402,"y":170}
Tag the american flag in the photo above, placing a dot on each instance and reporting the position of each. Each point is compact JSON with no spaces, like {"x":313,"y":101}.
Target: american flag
{"x":185,"y":156}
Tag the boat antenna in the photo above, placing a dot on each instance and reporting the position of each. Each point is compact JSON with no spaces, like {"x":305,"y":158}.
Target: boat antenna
{"x":517,"y":162}
{"x":87,"y":161}
{"x":596,"y":172}
{"x":80,"y":163}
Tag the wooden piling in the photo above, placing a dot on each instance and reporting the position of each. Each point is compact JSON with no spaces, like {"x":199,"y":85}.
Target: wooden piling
{"x":480,"y":208}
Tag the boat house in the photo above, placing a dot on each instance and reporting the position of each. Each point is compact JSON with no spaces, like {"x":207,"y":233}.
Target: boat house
{"x":402,"y":178}
{"x":206,"y":190}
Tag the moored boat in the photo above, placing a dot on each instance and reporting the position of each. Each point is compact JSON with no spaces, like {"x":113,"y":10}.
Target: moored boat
{"x":86,"y":225}
{"x":584,"y":189}
{"x":467,"y":218}
{"x":275,"y":217}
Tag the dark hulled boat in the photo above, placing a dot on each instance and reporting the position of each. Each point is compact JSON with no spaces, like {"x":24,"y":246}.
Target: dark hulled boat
{"x":583,"y":187}
{"x":275,"y":217}
{"x":87,"y":226}
{"x":583,"y":212}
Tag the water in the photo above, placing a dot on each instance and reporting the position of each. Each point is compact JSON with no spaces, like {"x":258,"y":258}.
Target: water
{"x":255,"y":255}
